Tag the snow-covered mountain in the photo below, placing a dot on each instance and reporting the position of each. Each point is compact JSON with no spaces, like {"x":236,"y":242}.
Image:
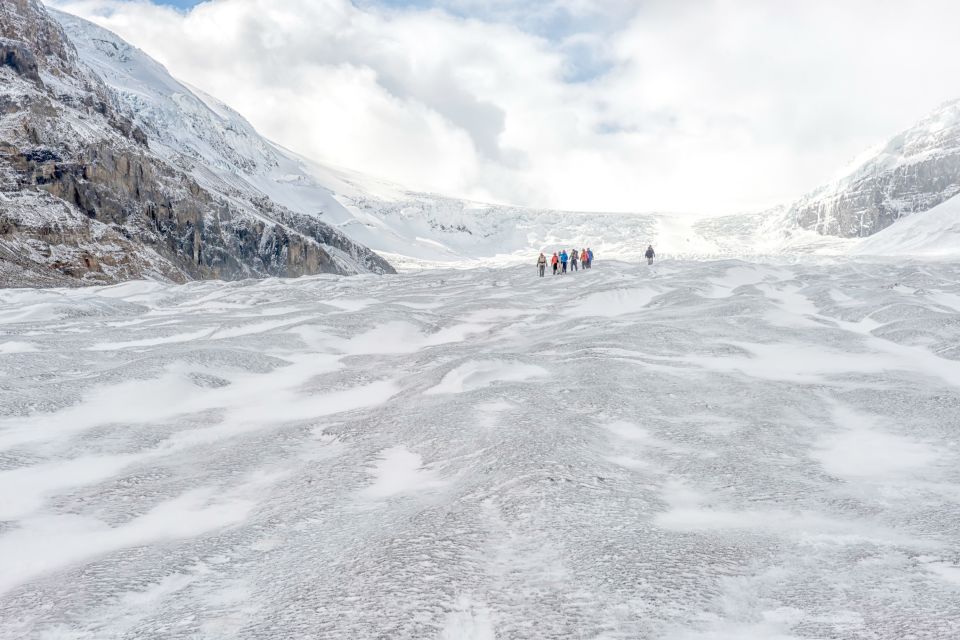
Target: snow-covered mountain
{"x":88,"y":193}
{"x":913,"y":172}
{"x":223,"y":152}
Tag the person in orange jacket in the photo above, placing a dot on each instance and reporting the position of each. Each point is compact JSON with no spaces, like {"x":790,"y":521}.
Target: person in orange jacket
{"x":555,"y":261}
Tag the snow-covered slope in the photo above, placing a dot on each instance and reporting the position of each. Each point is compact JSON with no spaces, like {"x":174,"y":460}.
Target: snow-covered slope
{"x":698,"y":451}
{"x":932,"y":234}
{"x":185,"y":126}
{"x":86,"y":196}
{"x":913,"y":172}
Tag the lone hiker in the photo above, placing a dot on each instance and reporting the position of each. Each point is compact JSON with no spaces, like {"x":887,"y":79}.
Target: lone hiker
{"x":542,"y":264}
{"x":650,"y":254}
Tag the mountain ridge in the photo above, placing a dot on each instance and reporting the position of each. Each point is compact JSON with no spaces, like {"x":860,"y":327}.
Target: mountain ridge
{"x":86,"y":198}
{"x":914,"y":171}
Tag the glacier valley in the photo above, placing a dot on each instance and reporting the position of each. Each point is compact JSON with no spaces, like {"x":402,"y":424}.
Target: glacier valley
{"x":690,"y":451}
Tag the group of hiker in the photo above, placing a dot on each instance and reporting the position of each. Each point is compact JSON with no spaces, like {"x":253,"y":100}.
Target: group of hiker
{"x":560,"y":261}
{"x":584,"y":257}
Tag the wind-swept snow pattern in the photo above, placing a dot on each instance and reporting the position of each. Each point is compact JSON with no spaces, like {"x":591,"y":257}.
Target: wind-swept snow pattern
{"x":688,"y":451}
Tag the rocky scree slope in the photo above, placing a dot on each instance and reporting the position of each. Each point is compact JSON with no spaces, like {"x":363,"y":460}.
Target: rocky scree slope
{"x":913,"y":172}
{"x":85,"y":199}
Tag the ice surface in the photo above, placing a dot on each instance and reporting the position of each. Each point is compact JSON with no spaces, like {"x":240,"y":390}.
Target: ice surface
{"x":865,"y":450}
{"x":15,"y":346}
{"x":399,"y":471}
{"x":688,"y":451}
{"x":478,"y":374}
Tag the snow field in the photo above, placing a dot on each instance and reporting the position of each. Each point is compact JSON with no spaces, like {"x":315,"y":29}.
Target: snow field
{"x":933,"y":234}
{"x":689,"y":451}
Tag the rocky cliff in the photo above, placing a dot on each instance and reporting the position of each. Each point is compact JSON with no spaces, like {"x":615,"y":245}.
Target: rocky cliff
{"x":85,"y":196}
{"x":914,"y":172}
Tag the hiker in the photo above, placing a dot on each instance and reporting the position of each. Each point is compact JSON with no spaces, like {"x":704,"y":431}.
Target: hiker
{"x":590,"y":256}
{"x":650,"y":254}
{"x":542,"y":264}
{"x":584,"y":259}
{"x":555,"y":261}
{"x":563,"y":261}
{"x":573,"y":260}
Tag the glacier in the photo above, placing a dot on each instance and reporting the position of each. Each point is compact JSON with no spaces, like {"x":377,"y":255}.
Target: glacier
{"x":697,"y":450}
{"x":755,"y":438}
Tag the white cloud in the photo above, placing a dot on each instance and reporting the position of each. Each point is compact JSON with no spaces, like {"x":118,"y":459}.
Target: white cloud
{"x":707,"y":106}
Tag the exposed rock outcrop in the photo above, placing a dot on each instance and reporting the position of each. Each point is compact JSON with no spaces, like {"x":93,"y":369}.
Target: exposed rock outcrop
{"x":15,"y":55}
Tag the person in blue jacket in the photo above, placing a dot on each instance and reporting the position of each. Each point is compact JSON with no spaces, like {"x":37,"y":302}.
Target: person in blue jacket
{"x":563,"y":261}
{"x":590,"y":256}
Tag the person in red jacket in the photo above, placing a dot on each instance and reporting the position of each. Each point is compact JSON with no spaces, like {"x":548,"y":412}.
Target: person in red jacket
{"x":555,"y":261}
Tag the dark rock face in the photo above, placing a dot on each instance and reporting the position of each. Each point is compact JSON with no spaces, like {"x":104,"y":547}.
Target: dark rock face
{"x":83,"y":199}
{"x":15,"y":55}
{"x":916,"y":171}
{"x":27,"y":22}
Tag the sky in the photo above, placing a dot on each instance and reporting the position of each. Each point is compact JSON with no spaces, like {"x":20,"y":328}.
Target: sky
{"x":700,"y":106}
